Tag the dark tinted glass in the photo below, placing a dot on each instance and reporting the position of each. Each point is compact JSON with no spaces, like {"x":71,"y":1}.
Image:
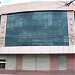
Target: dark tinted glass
{"x":2,"y":63}
{"x":43,"y":28}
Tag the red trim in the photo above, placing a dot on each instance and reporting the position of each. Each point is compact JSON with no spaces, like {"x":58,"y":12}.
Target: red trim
{"x":53,"y":62}
{"x":71,"y":62}
{"x":20,"y":72}
{"x":19,"y":62}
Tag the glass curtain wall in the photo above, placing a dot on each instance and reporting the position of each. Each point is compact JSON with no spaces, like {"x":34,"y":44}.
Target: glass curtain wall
{"x":38,"y":28}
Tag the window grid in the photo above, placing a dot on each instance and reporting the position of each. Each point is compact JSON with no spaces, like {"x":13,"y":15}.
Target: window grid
{"x":43,"y":28}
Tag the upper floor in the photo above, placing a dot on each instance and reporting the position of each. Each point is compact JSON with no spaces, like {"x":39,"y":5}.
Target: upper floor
{"x":38,"y":27}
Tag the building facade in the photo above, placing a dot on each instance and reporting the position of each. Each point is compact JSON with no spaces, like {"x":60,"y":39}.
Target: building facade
{"x":37,"y":39}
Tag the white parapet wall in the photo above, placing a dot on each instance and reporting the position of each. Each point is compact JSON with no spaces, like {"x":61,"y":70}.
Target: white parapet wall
{"x":38,"y":50}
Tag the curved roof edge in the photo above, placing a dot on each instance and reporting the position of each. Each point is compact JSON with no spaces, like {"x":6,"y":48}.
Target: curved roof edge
{"x":35,"y":6}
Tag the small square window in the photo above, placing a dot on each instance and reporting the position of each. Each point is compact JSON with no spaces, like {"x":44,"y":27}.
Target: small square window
{"x":2,"y":63}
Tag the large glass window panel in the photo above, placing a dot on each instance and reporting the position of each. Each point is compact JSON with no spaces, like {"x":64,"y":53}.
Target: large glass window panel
{"x":44,"y":22}
{"x":8,"y":25}
{"x":65,"y":23}
{"x":34,"y":16}
{"x":66,"y":39}
{"x":49,"y":22}
{"x":39,"y":22}
{"x":55,"y":15}
{"x":43,"y":28}
{"x":49,"y":15}
{"x":35,"y":23}
{"x":60,"y":15}
{"x":20,"y":23}
{"x":16,"y":23}
{"x":39,"y":15}
{"x":54,"y":23}
{"x":64,"y":16}
{"x":65,"y":32}
{"x":25,"y":22}
{"x":45,"y":16}
{"x":60,"y":32}
{"x":60,"y":22}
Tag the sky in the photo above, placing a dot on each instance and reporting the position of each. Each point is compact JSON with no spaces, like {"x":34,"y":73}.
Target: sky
{"x":6,"y":2}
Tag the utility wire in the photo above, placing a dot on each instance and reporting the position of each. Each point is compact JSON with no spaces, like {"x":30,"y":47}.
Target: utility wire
{"x":71,"y":2}
{"x":65,"y":3}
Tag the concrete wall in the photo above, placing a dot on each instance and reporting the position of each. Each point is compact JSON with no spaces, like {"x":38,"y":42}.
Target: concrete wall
{"x":39,"y":62}
{"x":3,"y":30}
{"x":35,"y":6}
{"x":10,"y":61}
